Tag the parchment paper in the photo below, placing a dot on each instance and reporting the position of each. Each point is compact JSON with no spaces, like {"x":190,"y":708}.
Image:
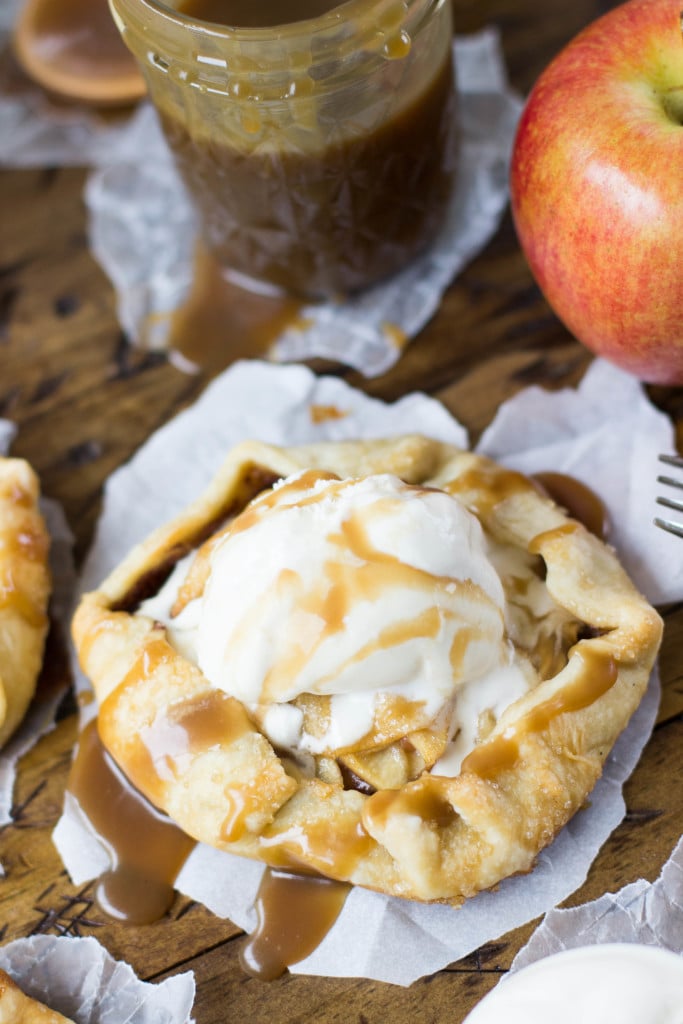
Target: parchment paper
{"x":78,"y":978}
{"x":375,"y":936}
{"x":650,"y":913}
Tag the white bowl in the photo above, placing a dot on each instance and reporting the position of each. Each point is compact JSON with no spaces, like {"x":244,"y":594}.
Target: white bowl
{"x":615,"y":983}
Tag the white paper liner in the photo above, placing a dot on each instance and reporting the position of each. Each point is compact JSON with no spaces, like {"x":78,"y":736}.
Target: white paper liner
{"x":78,"y":978}
{"x":40,"y":718}
{"x":376,"y":937}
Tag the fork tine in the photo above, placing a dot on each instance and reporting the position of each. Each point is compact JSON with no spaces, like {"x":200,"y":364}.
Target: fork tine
{"x":671,"y":481}
{"x":670,"y":526}
{"x":670,"y":503}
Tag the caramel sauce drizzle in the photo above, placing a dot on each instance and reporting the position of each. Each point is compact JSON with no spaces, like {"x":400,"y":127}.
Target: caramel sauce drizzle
{"x":421,"y":798}
{"x":342,"y":586}
{"x":147,"y":849}
{"x":597,"y":674}
{"x":487,"y":486}
{"x":322,"y":413}
{"x":295,"y":913}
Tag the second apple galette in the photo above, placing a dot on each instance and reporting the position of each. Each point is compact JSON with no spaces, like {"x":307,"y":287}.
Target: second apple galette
{"x":24,"y":591}
{"x":392,"y":662}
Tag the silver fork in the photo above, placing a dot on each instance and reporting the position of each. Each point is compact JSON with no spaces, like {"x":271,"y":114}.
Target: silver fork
{"x":675,"y":503}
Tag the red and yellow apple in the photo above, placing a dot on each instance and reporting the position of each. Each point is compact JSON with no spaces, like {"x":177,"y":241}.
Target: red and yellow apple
{"x":597,"y":187}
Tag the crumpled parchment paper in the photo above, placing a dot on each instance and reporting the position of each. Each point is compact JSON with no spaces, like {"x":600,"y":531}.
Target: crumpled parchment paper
{"x":650,"y":913}
{"x":78,"y":978}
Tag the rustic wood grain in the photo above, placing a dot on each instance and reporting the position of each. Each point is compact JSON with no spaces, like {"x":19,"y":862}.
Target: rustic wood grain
{"x":84,"y":401}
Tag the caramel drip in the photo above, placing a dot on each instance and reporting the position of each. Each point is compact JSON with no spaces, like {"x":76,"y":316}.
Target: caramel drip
{"x":461,"y":641}
{"x":487,"y":486}
{"x":395,"y":334}
{"x":578,"y":500}
{"x":332,"y":849}
{"x":186,"y":731}
{"x":220,"y":321}
{"x":292,"y":492}
{"x":597,"y":674}
{"x":147,"y":849}
{"x":295,"y":913}
{"x":342,"y":586}
{"x":421,"y":799}
{"x":177,"y":733}
{"x":199,"y":571}
{"x":323,"y":413}
{"x":163,"y":751}
{"x":198,"y":574}
{"x":210,"y":721}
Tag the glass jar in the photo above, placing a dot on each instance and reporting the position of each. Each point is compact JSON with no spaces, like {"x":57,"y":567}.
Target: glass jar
{"x":320,"y":154}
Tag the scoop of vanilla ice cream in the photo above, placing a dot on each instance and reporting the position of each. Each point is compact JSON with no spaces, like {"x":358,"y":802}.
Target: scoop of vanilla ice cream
{"x":615,"y":982}
{"x":349,"y":589}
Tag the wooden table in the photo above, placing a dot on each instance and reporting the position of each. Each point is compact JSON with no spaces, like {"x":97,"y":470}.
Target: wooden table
{"x":84,"y":401}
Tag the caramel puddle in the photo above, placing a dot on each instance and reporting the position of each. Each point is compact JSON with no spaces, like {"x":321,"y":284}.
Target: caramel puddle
{"x":220,"y":321}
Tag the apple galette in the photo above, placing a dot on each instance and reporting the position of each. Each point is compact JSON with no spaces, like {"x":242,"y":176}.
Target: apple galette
{"x":392,"y":662}
{"x":18,"y":1008}
{"x":24,"y":591}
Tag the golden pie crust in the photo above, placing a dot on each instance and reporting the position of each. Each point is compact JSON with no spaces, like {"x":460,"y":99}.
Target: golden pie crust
{"x":18,"y":1008}
{"x":196,"y":753}
{"x":24,"y":591}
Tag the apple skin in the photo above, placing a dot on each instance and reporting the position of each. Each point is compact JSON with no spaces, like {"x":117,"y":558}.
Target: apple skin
{"x":597,"y":187}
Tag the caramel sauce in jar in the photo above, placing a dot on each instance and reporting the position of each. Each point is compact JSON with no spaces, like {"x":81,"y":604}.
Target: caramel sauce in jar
{"x":255,"y":13}
{"x":320,"y":154}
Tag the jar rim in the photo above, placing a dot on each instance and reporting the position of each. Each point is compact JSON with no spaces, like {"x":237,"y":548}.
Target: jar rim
{"x":346,"y":11}
{"x":275,"y":64}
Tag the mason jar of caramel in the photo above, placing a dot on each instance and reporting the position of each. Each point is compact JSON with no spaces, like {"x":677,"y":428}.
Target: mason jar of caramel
{"x":320,"y":153}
